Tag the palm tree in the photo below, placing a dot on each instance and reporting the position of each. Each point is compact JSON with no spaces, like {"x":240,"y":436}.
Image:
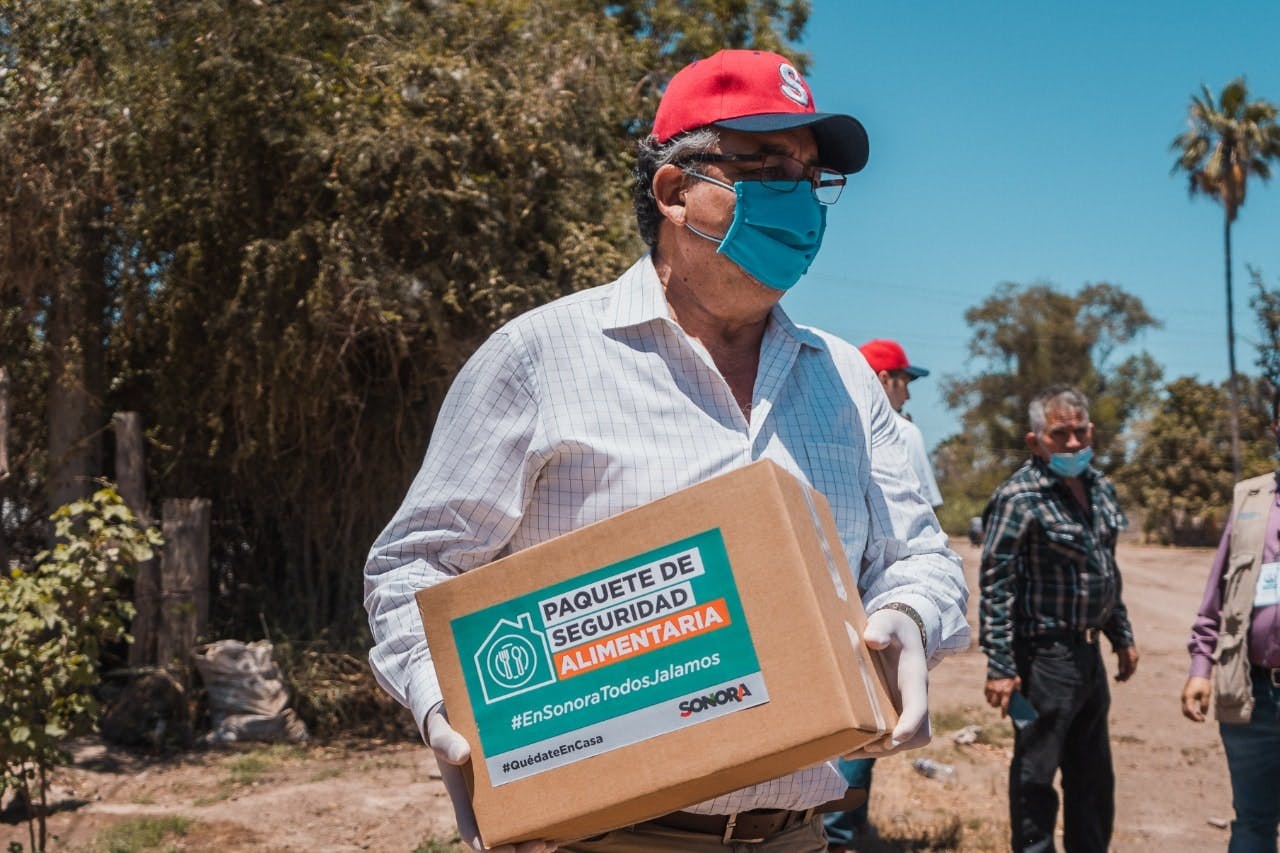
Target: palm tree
{"x":1228,"y":142}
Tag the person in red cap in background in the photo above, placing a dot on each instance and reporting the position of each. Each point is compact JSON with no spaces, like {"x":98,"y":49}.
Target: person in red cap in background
{"x":683,"y":368}
{"x":847,"y":830}
{"x":889,"y":360}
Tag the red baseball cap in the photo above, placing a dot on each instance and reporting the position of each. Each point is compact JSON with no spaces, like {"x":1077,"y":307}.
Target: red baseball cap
{"x":888,"y":355}
{"x":754,"y":91}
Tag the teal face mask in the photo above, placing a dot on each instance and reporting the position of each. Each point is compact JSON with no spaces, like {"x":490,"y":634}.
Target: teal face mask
{"x":775,"y":235}
{"x":1071,"y":464}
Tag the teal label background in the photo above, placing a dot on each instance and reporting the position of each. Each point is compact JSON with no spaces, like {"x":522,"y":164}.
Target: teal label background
{"x":517,"y":697}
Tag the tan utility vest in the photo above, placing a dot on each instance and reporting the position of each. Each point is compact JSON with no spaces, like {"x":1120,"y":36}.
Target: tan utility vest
{"x":1232,"y":684}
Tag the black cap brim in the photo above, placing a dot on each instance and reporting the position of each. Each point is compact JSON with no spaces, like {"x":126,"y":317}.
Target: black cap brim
{"x":842,"y":140}
{"x":915,"y":372}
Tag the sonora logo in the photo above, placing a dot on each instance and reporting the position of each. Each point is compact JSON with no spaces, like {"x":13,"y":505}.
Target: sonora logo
{"x":723,"y":696}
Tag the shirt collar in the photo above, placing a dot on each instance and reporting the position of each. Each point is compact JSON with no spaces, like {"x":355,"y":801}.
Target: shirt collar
{"x":638,"y":298}
{"x":800,"y":334}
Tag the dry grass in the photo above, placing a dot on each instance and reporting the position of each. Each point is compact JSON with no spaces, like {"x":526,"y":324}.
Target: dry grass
{"x":438,"y":844}
{"x":968,"y":813}
{"x":335,"y":694}
{"x":937,"y":832}
{"x":143,"y":833}
{"x":992,"y":732}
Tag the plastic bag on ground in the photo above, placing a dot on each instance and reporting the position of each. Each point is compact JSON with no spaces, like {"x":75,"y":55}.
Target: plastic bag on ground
{"x":247,"y":697}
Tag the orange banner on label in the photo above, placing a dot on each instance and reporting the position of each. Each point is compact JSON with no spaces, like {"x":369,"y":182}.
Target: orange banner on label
{"x":643,"y":638}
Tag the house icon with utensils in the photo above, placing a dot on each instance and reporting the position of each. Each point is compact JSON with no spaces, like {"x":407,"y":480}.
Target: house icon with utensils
{"x":513,"y":659}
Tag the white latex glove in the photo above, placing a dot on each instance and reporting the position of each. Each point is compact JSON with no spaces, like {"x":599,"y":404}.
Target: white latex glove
{"x":452,"y":751}
{"x":897,"y":637}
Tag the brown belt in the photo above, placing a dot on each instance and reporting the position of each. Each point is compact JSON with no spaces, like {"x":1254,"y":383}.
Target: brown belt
{"x":757,"y":825}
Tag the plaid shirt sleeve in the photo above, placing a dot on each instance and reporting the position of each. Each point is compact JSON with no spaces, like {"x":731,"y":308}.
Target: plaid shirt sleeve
{"x":1117,"y":628}
{"x":1005,"y":521}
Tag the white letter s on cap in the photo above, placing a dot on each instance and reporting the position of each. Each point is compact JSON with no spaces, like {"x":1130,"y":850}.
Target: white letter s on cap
{"x":793,"y":84}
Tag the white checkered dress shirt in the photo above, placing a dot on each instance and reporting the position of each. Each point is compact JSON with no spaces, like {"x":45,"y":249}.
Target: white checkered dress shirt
{"x":918,"y":453}
{"x":597,"y":403}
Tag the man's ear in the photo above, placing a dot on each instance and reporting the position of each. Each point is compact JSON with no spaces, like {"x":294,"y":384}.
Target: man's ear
{"x":669,"y":186}
{"x":1033,"y":442}
{"x":884,"y":377}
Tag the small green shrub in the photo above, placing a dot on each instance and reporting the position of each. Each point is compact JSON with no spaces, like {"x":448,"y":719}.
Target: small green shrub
{"x":54,"y":619}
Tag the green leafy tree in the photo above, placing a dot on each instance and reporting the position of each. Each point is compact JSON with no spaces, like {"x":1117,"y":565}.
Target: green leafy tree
{"x":1266,"y":308}
{"x":681,"y":31}
{"x":342,"y":201}
{"x":23,"y":525}
{"x":1229,"y":140}
{"x":1025,"y":339}
{"x":56,"y":209}
{"x":303,"y":218}
{"x":54,"y":619}
{"x":672,"y":33}
{"x":967,"y":475}
{"x":1180,"y":472}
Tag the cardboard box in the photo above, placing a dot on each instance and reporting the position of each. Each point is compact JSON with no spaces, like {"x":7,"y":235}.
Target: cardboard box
{"x":675,"y":652}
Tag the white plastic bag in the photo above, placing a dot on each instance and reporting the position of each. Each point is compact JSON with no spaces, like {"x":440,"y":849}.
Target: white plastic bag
{"x":247,"y":697}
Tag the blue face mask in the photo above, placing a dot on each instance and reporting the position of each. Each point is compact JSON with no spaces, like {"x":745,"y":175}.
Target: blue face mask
{"x":1071,"y":464}
{"x":775,"y":235}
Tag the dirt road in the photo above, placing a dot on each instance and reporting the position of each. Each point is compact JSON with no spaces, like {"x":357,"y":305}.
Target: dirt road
{"x":1171,"y":774}
{"x":1172,"y":777}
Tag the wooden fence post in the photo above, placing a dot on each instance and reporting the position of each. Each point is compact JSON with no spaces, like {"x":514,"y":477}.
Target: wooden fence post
{"x":184,"y":582}
{"x":131,"y":477}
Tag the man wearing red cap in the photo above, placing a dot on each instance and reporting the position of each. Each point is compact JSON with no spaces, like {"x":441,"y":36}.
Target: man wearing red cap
{"x":683,"y":368}
{"x":846,"y":830}
{"x":889,"y":360}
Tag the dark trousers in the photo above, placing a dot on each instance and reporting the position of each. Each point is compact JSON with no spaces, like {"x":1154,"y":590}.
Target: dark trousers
{"x":1066,"y":683}
{"x":1253,"y":757}
{"x":843,"y":827}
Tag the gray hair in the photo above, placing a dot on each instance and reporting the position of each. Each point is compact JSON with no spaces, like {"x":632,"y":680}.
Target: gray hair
{"x":652,"y":156}
{"x":1056,"y":398}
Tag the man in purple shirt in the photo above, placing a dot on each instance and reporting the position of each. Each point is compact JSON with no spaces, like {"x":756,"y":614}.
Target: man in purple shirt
{"x":1235,"y":657}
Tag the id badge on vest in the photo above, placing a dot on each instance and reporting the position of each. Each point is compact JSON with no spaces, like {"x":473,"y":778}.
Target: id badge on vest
{"x":1267,"y":592}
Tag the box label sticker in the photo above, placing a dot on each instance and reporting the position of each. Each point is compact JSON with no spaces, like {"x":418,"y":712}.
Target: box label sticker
{"x":622,"y":654}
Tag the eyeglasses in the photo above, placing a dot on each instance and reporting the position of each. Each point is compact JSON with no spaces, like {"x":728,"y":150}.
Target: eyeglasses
{"x":781,"y":172}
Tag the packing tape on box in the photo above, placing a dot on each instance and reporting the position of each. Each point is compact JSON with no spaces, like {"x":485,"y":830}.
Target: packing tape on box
{"x":864,"y":666}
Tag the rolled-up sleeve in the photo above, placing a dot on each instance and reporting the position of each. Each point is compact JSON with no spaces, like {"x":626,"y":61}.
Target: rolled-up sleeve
{"x":462,"y":509}
{"x":907,"y":559}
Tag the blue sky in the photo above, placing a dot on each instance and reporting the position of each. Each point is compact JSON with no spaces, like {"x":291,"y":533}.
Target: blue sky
{"x":1027,"y":143}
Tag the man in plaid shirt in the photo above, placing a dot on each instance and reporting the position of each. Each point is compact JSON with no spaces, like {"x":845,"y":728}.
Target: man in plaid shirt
{"x":1050,"y":585}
